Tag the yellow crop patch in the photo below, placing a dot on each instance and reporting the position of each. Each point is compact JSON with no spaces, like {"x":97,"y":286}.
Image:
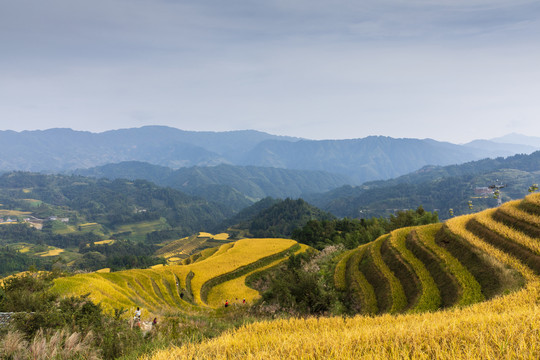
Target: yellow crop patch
{"x":236,"y":290}
{"x":158,"y":289}
{"x":52,"y":252}
{"x":4,"y":212}
{"x":103,"y":242}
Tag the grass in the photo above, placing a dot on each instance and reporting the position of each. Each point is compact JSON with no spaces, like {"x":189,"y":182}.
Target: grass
{"x":103,"y":242}
{"x":403,"y":271}
{"x":340,"y":272}
{"x":486,"y":219}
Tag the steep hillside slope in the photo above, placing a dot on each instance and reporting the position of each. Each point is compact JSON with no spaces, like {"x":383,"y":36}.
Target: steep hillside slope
{"x":435,"y":188}
{"x":371,"y":158}
{"x":229,"y":184}
{"x":455,"y":267}
{"x":62,"y":149}
{"x":182,"y":287}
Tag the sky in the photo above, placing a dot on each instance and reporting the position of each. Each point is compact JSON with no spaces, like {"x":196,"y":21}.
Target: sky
{"x":450,"y":70}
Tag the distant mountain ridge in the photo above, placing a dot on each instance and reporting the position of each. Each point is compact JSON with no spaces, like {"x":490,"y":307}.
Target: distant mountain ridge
{"x":365,"y":159}
{"x":436,"y":188}
{"x":237,"y":186}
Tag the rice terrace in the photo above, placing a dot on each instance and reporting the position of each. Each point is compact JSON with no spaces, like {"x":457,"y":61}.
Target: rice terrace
{"x":465,"y":289}
{"x":468,"y":288}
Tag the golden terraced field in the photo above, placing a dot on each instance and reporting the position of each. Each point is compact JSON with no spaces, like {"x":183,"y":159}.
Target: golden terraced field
{"x":465,"y":289}
{"x":169,"y":288}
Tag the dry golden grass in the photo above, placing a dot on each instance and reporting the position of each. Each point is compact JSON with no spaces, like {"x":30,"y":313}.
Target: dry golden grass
{"x":471,"y":291}
{"x":24,"y":249}
{"x":399,"y":301}
{"x":511,"y":208}
{"x":88,"y":224}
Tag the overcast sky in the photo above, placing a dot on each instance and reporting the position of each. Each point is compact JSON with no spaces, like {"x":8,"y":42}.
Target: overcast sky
{"x":452,"y":70}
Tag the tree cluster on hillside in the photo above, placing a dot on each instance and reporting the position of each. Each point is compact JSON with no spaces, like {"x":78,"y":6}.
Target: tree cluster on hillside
{"x":433,"y":187}
{"x":113,"y":203}
{"x":281,"y":218}
{"x":302,"y":285}
{"x":234,"y":186}
{"x":21,"y":232}
{"x":120,"y":255}
{"x":37,"y":308}
{"x":353,"y":232}
{"x":12,"y":261}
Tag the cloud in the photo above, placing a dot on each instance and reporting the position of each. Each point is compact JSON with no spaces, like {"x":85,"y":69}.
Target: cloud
{"x":306,"y":68}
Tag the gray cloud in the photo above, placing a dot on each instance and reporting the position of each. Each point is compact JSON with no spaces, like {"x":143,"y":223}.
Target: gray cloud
{"x":319,"y":69}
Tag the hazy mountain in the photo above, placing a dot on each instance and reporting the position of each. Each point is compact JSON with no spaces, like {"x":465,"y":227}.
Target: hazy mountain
{"x":237,"y":186}
{"x":435,"y":188}
{"x":519,"y":139}
{"x":63,"y":149}
{"x":371,"y":158}
{"x":495,"y":149}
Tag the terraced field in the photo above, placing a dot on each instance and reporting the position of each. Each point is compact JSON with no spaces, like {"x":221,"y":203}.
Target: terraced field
{"x":465,"y":289}
{"x":218,"y":277}
{"x":190,"y":249}
{"x":426,"y":268}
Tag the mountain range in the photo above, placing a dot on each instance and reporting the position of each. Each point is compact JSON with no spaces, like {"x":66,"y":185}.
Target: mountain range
{"x":360,"y":160}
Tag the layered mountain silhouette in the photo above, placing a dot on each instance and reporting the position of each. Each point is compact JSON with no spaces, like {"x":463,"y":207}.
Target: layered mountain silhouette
{"x":360,"y":160}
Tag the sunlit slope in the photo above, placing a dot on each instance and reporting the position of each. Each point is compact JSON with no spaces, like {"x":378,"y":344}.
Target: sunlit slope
{"x":179,"y":286}
{"x":485,"y":261}
{"x":426,"y":268}
{"x":186,"y":250}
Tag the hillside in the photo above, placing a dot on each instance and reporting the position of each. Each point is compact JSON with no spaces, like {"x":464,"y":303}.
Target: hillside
{"x":110,"y":203}
{"x":80,"y":223}
{"x":200,"y":283}
{"x":482,"y":273}
{"x":364,"y":159}
{"x":277,"y":219}
{"x":371,"y":158}
{"x":435,"y":188}
{"x":237,"y":186}
{"x":63,"y":149}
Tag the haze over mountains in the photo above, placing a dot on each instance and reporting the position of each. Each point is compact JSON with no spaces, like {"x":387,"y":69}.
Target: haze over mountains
{"x":357,"y":160}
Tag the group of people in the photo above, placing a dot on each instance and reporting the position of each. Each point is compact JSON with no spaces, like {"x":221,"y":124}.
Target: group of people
{"x":237,"y":302}
{"x":137,"y":319}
